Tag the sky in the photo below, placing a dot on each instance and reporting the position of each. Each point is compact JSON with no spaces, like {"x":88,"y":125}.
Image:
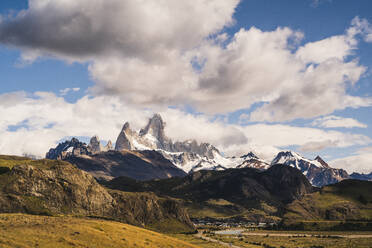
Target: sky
{"x":250,"y":75}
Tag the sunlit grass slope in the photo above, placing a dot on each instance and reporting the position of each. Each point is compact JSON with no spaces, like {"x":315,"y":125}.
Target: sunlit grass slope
{"x":7,"y":161}
{"x":20,"y":230}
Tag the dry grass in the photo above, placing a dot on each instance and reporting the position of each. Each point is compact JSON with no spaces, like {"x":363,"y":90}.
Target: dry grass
{"x":20,"y":230}
{"x":317,"y":240}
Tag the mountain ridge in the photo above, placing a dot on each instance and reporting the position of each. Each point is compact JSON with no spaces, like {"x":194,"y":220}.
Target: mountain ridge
{"x":191,"y":156}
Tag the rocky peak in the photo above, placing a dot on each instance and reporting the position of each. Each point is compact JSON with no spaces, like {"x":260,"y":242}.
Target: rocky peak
{"x":108,"y":146}
{"x":95,"y":145}
{"x":322,"y":162}
{"x":250,"y":155}
{"x":155,"y":128}
{"x":123,"y":142}
{"x":125,"y":127}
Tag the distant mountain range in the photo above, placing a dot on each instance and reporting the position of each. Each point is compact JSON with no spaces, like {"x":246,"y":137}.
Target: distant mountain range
{"x":178,"y":158}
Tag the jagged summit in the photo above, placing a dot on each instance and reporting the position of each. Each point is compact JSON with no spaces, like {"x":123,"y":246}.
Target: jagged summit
{"x":317,"y":171}
{"x":153,"y":137}
{"x":294,"y":159}
{"x":250,"y":155}
{"x":155,"y":127}
{"x":74,"y":147}
{"x":68,"y":148}
{"x":322,"y":162}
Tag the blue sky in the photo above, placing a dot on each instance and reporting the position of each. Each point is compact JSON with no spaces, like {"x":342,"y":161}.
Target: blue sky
{"x":153,"y":74}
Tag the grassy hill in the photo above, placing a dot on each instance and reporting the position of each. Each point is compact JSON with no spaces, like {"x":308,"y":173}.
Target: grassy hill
{"x":345,"y":204}
{"x":20,"y":230}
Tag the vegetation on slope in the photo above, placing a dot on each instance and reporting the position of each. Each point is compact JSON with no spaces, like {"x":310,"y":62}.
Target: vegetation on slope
{"x":245,"y":192}
{"x":347,"y":204}
{"x":19,"y":230}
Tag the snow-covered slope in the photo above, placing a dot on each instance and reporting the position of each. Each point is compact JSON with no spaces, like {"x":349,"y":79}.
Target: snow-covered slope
{"x":317,"y":171}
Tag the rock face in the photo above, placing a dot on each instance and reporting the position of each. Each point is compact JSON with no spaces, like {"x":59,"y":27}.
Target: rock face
{"x":317,"y":171}
{"x":95,"y":145}
{"x":61,"y":188}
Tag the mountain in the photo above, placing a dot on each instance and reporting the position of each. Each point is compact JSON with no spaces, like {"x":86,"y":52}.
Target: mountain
{"x":140,"y":165}
{"x":189,"y":155}
{"x":349,"y":202}
{"x":54,"y":187}
{"x":74,"y":147}
{"x":105,"y":163}
{"x":247,"y":192}
{"x":359,"y":176}
{"x":317,"y":171}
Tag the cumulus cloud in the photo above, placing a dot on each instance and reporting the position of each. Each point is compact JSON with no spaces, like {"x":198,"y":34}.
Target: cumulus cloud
{"x":316,"y":3}
{"x":80,"y":30}
{"x":67,"y":90}
{"x":360,"y":161}
{"x":36,"y":122}
{"x":163,"y":53}
{"x":337,"y":121}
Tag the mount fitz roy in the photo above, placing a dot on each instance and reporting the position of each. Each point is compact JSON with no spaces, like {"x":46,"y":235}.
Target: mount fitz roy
{"x":150,"y":154}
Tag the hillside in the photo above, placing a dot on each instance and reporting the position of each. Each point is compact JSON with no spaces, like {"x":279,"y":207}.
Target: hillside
{"x":140,"y":165}
{"x":56,"y":187}
{"x":349,"y":200}
{"x":246,"y":192}
{"x":20,"y":230}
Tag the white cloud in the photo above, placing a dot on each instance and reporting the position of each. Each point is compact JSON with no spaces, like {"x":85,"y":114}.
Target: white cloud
{"x":336,"y":121}
{"x":67,"y":90}
{"x":360,"y":162}
{"x":316,"y":3}
{"x":39,"y":120}
{"x":80,"y":30}
{"x":172,"y":53}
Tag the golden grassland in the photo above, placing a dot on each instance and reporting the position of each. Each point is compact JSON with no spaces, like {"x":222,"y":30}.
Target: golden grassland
{"x":20,"y":230}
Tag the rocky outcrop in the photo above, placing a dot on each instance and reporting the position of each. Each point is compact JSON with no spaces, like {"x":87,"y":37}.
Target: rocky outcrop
{"x":61,"y":188}
{"x":68,"y":148}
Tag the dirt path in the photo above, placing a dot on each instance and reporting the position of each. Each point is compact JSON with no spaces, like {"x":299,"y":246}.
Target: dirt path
{"x":201,"y":236}
{"x":351,"y":236}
